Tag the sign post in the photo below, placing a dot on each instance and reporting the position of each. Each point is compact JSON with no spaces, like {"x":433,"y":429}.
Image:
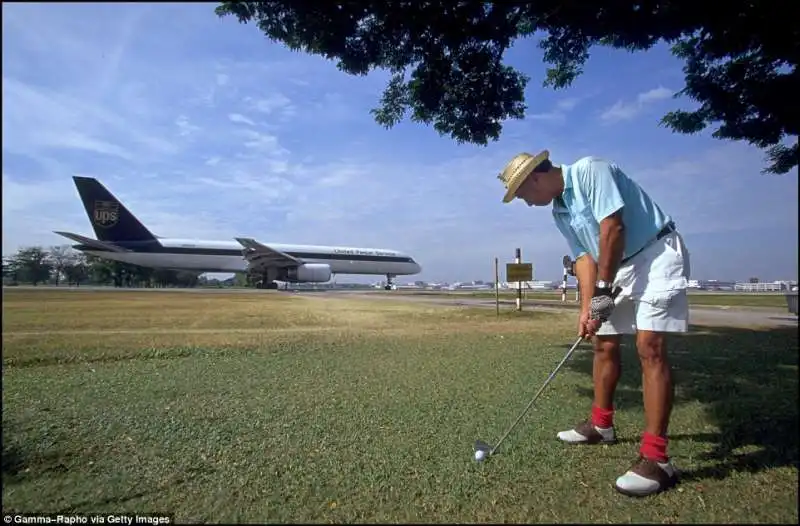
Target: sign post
{"x":497,"y":286}
{"x":518,"y":260}
{"x":519,"y":272}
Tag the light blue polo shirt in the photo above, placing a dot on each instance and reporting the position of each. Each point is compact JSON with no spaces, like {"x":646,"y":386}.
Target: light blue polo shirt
{"x":593,"y":190}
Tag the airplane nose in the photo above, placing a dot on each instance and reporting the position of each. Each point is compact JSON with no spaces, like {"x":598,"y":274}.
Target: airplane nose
{"x":417,"y":267}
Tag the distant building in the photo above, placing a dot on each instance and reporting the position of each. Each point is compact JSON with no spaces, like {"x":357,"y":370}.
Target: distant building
{"x":713,"y":284}
{"x":741,"y":286}
{"x":542,"y":285}
{"x":775,"y":286}
{"x":531,"y":285}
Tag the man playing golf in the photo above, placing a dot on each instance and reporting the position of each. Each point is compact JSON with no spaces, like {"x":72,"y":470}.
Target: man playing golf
{"x":619,"y":238}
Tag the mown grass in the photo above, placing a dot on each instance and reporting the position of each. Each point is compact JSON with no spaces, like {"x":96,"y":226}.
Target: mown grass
{"x":279,"y":408}
{"x":696,"y":298}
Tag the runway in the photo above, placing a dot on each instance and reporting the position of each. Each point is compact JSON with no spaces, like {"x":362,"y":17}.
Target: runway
{"x":92,"y":288}
{"x":710,"y":316}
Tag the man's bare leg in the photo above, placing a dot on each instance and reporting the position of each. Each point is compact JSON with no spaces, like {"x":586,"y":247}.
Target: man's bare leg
{"x":658,"y":391}
{"x":606,"y":368}
{"x":653,"y":472}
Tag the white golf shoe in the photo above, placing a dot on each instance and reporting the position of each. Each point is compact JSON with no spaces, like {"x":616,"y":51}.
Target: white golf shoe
{"x":586,"y":433}
{"x":647,"y":477}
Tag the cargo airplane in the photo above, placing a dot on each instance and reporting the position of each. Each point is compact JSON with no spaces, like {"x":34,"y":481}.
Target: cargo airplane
{"x":122,"y":237}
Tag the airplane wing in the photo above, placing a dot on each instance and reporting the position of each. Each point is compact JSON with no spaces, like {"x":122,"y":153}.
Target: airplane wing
{"x":259,"y":255}
{"x":93,"y":243}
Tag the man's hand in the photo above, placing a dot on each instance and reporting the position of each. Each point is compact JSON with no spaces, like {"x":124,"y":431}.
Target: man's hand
{"x":587,"y":327}
{"x":600,"y":309}
{"x":602,"y":305}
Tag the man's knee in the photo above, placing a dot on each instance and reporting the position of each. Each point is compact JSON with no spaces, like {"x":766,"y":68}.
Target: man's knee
{"x":651,"y":347}
{"x":607,"y":347}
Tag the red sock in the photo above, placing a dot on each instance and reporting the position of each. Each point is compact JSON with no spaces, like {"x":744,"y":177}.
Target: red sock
{"x":602,"y":417}
{"x":654,"y":447}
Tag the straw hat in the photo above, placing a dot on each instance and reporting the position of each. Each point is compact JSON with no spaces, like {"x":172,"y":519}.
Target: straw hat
{"x":517,"y":170}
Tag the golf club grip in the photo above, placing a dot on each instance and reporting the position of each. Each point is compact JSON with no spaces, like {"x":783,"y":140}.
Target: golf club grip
{"x":615,"y":295}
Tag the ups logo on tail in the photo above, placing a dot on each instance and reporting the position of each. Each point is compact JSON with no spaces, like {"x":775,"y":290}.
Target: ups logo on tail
{"x":106,"y":213}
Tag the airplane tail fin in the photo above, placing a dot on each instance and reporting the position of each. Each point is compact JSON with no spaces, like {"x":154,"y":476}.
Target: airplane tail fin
{"x":109,"y":217}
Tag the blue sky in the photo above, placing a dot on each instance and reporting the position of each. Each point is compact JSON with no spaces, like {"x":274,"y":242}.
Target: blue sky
{"x":206,"y":129}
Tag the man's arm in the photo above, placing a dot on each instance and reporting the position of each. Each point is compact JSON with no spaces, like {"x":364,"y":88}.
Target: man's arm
{"x":606,"y":204}
{"x":586,"y":274}
{"x":585,"y":267}
{"x":612,"y":246}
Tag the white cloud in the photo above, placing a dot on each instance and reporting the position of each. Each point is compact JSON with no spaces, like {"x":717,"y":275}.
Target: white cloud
{"x":274,"y":104}
{"x":185,"y":128}
{"x":621,"y":111}
{"x":262,"y":143}
{"x":559,"y":113}
{"x":568,"y":104}
{"x":656,"y":94}
{"x":547,"y":116}
{"x":241,"y":119}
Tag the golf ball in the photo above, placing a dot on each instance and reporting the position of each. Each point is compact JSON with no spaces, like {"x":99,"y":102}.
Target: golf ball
{"x":479,"y":455}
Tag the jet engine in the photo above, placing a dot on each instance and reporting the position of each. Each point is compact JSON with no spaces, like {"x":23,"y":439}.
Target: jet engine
{"x":309,"y":272}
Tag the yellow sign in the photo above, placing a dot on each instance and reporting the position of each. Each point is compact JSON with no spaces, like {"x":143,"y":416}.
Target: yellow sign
{"x":519,"y":271}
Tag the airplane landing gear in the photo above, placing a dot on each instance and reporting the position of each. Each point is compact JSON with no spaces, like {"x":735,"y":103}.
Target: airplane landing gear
{"x":389,"y":283}
{"x":267,"y":282}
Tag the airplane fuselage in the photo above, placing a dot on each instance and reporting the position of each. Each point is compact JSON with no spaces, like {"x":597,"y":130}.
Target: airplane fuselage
{"x":122,"y":237}
{"x":226,"y":256}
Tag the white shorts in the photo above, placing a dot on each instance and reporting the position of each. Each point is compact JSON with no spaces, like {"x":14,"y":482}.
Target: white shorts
{"x":653,"y":296}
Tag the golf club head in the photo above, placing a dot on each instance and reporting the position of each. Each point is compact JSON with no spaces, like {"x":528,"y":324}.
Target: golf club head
{"x":480,"y":445}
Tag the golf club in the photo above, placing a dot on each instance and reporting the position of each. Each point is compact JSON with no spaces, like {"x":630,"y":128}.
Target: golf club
{"x":482,"y":449}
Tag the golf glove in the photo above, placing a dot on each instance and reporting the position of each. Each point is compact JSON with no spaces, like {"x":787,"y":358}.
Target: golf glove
{"x":602,"y":305}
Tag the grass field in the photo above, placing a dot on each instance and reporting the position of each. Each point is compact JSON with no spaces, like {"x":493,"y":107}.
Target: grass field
{"x":698,"y":298}
{"x":290,"y":408}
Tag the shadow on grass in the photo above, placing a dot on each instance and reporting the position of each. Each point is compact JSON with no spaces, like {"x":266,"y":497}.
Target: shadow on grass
{"x":19,"y":464}
{"x":747,"y":381}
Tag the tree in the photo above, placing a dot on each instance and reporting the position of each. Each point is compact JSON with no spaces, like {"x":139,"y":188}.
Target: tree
{"x":144,"y":276}
{"x":101,"y":271}
{"x":446,"y":59}
{"x":61,"y":257}
{"x":32,"y":265}
{"x":244,"y":279}
{"x":78,"y":270}
{"x":164,"y":277}
{"x":187,"y":279}
{"x":10,"y":270}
